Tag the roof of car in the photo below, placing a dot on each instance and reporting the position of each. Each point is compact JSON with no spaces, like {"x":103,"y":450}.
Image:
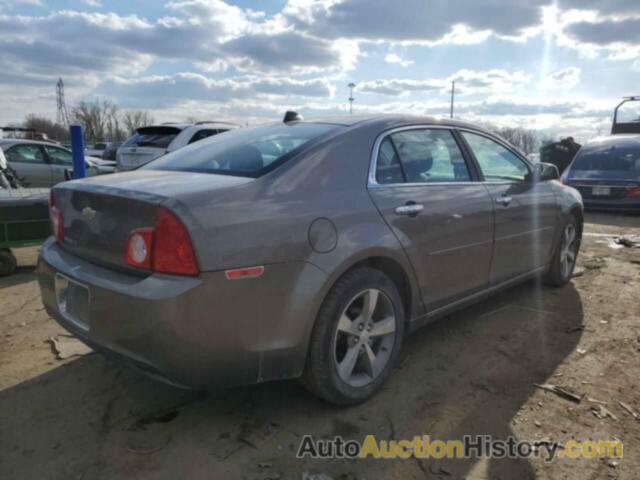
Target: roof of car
{"x":199,"y":125}
{"x":620,"y":141}
{"x":391,"y":120}
{"x":13,"y":141}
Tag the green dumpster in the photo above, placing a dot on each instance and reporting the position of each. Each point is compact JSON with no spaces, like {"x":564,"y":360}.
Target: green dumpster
{"x":24,"y":222}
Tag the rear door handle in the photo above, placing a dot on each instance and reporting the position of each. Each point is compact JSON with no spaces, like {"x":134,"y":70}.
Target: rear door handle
{"x":410,"y":209}
{"x":503,"y":200}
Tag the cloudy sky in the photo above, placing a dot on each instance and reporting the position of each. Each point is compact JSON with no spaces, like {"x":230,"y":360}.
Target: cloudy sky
{"x":559,"y":66}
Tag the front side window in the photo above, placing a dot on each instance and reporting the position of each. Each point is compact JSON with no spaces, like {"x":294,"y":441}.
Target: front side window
{"x":248,"y":152}
{"x":59,"y":156}
{"x":422,"y":156}
{"x":25,"y":154}
{"x":497,"y":163}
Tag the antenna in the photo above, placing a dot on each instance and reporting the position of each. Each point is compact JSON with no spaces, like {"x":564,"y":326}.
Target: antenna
{"x":63,"y":116}
{"x":453,"y":96}
{"x":351,"y":99}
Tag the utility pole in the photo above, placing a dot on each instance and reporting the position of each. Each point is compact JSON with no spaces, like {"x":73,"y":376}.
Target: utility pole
{"x":63,"y":116}
{"x":351,"y":99}
{"x":453,"y":96}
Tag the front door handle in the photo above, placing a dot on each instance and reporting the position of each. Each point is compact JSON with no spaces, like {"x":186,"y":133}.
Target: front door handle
{"x":411,"y":209}
{"x":503,"y":200}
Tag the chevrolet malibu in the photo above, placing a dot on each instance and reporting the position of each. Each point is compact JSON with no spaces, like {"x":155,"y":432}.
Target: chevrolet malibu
{"x":304,"y":249}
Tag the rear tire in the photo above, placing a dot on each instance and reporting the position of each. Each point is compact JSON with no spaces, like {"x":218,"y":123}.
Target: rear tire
{"x":564,"y":259}
{"x":356,"y":338}
{"x":8,"y":263}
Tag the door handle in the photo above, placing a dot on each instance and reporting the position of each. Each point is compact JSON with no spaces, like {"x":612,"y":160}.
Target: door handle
{"x":503,"y":200}
{"x":410,"y":209}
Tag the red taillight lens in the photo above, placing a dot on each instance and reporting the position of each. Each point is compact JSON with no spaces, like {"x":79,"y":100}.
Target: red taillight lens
{"x":166,"y":248}
{"x":634,"y":193}
{"x":57,"y":221}
{"x":139,"y":248}
{"x":172,"y":248}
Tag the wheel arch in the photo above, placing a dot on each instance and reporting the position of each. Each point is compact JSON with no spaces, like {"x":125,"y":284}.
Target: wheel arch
{"x":401,"y":274}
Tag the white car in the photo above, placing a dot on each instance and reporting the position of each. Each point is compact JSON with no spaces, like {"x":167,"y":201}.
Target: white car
{"x":44,"y":164}
{"x":149,"y":143}
{"x":95,"y":149}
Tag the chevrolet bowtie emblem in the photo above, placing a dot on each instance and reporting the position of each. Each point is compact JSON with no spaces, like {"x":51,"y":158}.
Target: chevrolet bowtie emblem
{"x":88,"y":213}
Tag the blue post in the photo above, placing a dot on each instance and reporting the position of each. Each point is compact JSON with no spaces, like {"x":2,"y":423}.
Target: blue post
{"x":77,"y":147}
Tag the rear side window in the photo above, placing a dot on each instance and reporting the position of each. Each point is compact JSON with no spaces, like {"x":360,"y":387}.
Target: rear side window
{"x":155,"y":137}
{"x":202,"y":134}
{"x":609,"y":161}
{"x":248,"y":152}
{"x":389,"y":169}
{"x":25,"y":154}
{"x":497,"y":163}
{"x":421,"y":156}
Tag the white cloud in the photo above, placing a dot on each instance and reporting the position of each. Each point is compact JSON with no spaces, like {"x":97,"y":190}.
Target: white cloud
{"x":564,"y":78}
{"x":467,"y":82}
{"x":168,"y":90}
{"x":394,"y":58}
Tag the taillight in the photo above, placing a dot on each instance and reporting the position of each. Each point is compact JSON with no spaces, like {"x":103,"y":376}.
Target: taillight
{"x":166,"y":248}
{"x":634,"y":193}
{"x":172,"y":249}
{"x":57,"y":220}
{"x":139,"y":248}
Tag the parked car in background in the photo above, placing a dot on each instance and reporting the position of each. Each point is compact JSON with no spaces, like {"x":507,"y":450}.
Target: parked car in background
{"x":305,"y":248}
{"x":95,"y":149}
{"x":110,"y":153}
{"x":606,"y":171}
{"x":149,"y":143}
{"x":42,"y":164}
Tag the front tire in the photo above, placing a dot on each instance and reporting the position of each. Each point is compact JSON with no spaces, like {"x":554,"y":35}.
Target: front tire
{"x":8,"y":263}
{"x":564,"y":259}
{"x":356,"y":338}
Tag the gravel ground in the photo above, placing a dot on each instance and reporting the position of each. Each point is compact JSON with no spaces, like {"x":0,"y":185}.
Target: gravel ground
{"x":470,"y":373}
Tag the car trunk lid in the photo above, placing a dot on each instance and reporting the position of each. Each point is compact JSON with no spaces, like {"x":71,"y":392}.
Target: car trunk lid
{"x":601,"y":187}
{"x":100,"y":212}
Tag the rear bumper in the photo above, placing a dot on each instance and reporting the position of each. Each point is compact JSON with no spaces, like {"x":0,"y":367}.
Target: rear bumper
{"x":618,"y":205}
{"x":199,"y":332}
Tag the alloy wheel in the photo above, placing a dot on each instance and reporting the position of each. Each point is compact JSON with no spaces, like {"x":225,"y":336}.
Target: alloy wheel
{"x":364,"y":338}
{"x":568,"y":250}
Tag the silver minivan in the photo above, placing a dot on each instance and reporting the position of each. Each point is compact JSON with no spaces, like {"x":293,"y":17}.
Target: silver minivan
{"x":149,"y":143}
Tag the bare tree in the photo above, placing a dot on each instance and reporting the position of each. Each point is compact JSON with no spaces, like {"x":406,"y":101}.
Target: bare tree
{"x":53,"y":130}
{"x":134,"y":119}
{"x":528,"y":141}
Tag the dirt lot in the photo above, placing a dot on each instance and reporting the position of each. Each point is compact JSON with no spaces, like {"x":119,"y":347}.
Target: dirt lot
{"x":471,"y":373}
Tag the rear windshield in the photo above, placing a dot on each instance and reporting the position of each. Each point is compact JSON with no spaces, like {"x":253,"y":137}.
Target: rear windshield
{"x":248,"y":152}
{"x":158,"y":137}
{"x":610,"y":162}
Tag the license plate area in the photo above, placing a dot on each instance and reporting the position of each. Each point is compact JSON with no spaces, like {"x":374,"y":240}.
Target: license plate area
{"x":73,"y":301}
{"x":601,"y":191}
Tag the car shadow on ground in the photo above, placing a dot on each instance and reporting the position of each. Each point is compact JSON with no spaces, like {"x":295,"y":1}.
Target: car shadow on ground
{"x":612,"y":219}
{"x":467,"y":374}
{"x":22,"y":275}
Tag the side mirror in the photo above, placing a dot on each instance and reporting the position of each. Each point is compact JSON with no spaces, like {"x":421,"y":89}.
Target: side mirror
{"x":545,"y":171}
